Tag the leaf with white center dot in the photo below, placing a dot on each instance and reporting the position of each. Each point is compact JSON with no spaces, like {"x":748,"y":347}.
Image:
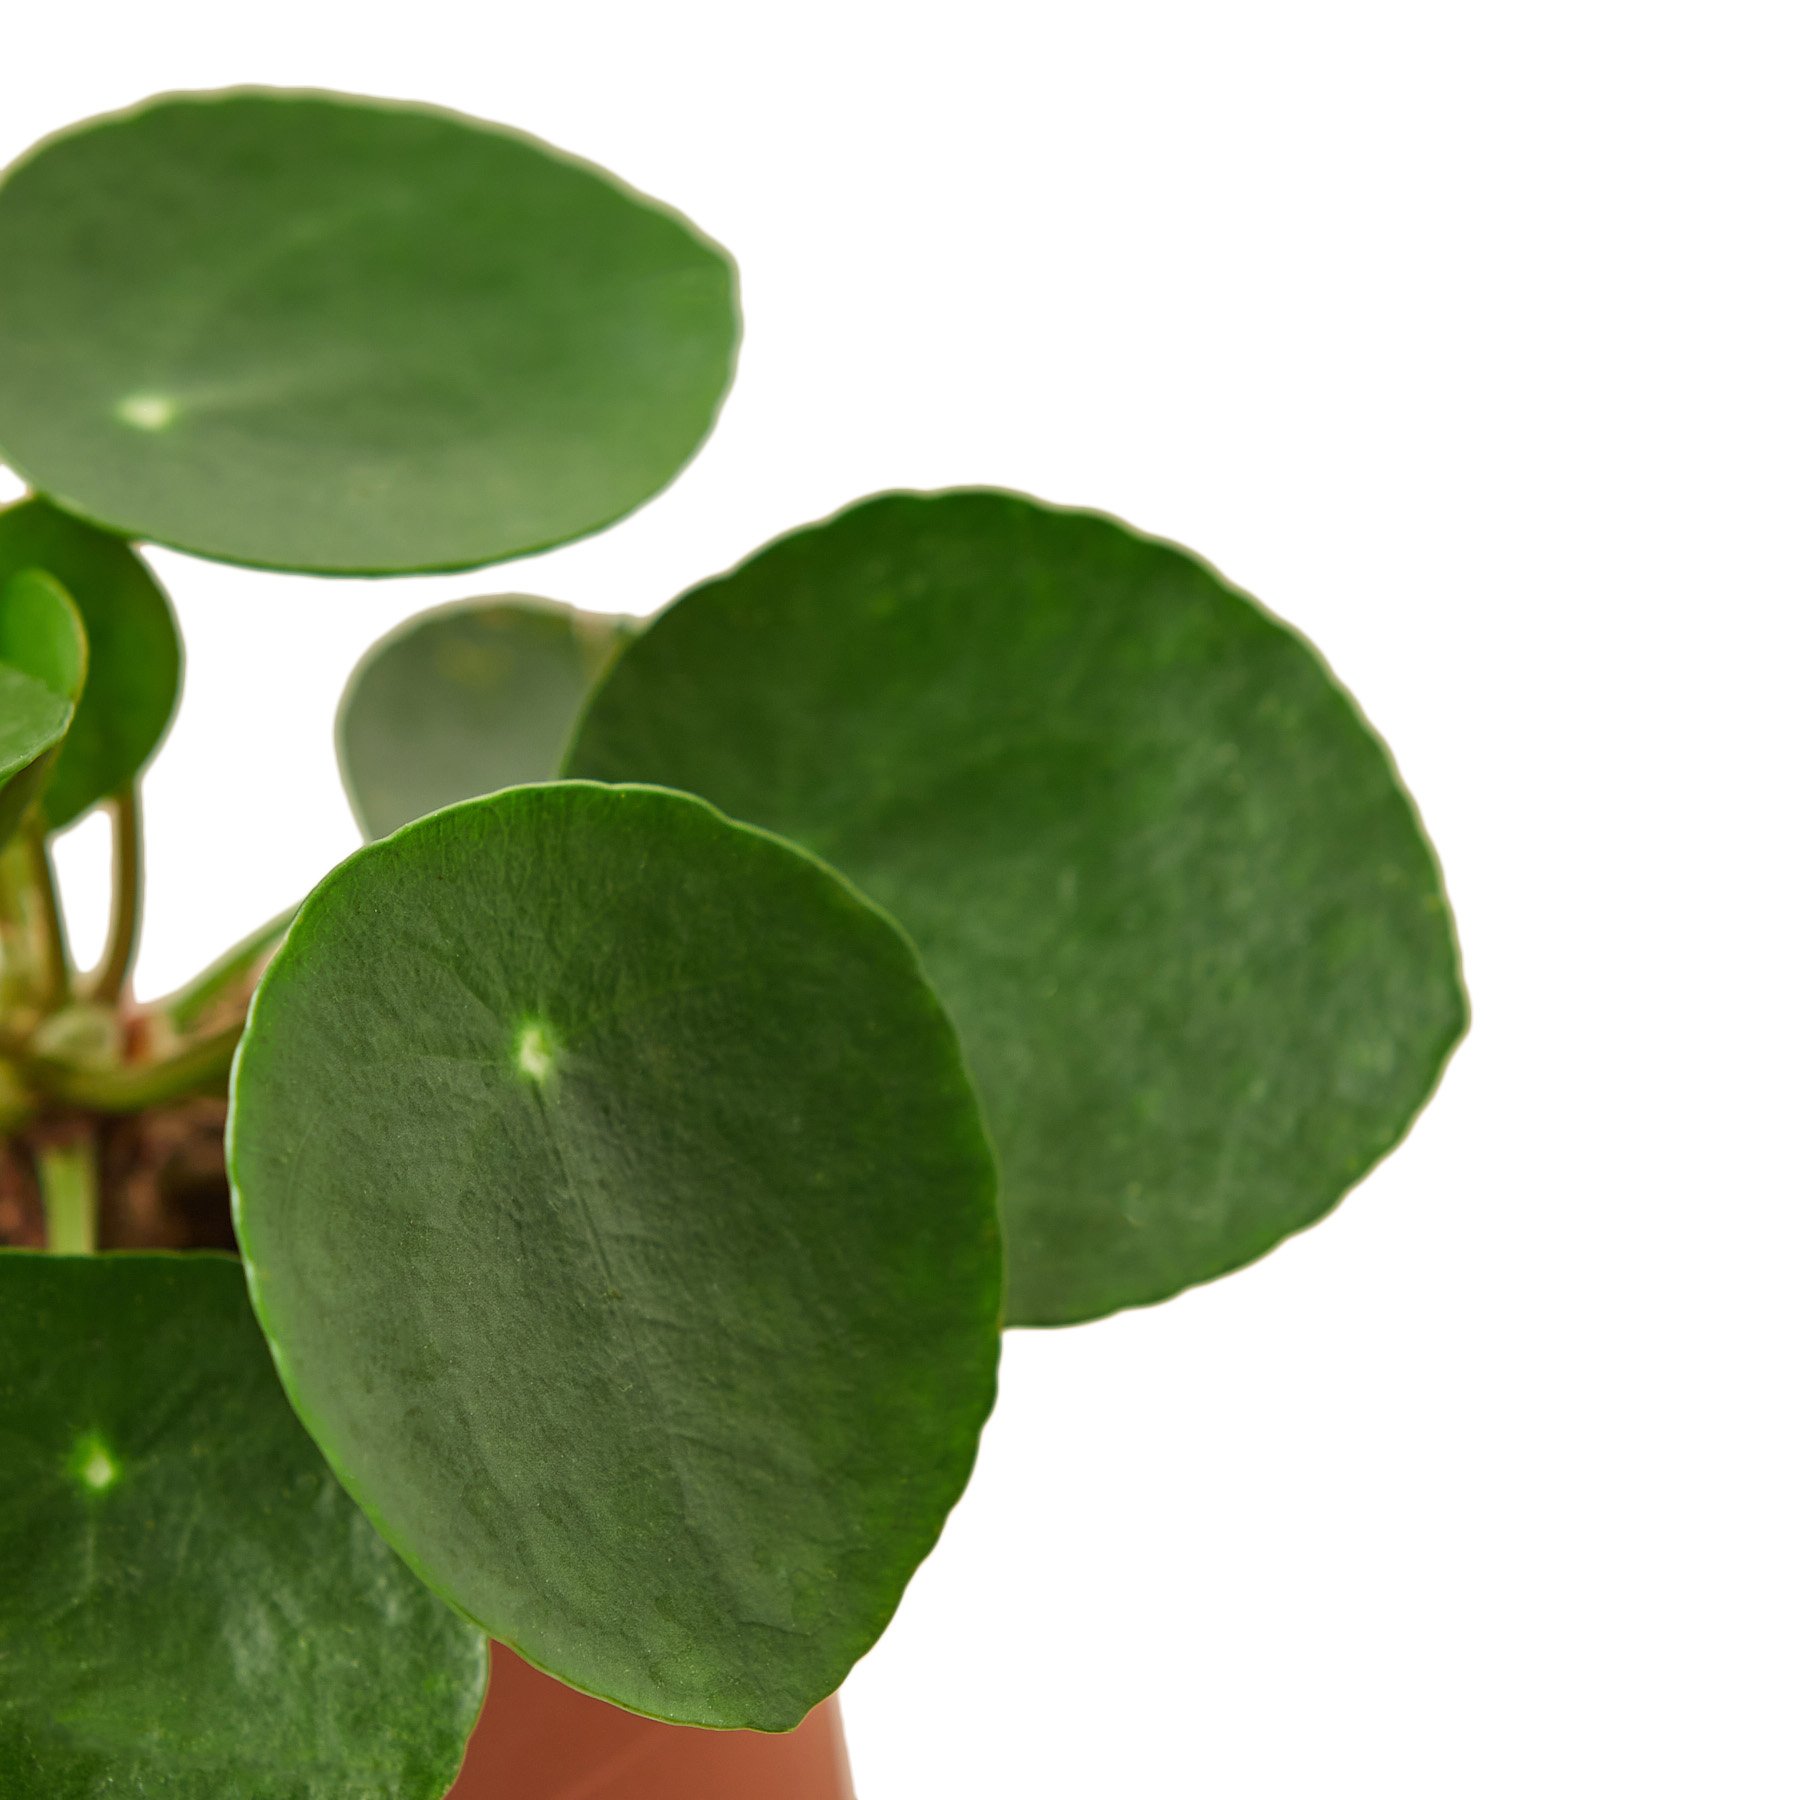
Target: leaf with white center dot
{"x":465,"y":700}
{"x":615,"y":1200}
{"x":191,"y":1608}
{"x":309,"y":331}
{"x":1156,"y":862}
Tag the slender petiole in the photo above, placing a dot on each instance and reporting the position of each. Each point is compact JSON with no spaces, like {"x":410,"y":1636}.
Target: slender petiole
{"x":52,"y":938}
{"x":222,"y":983}
{"x":201,"y":1065}
{"x":110,"y":978}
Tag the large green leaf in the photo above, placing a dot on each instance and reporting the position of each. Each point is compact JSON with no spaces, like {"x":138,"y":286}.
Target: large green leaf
{"x":312,"y":332}
{"x":190,"y":1606}
{"x":134,"y":652}
{"x":43,"y":664}
{"x":619,"y":1210}
{"x":464,"y":700}
{"x":1158,"y":866}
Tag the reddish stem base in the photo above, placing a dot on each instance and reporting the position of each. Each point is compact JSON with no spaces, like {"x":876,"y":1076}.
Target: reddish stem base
{"x":538,"y":1740}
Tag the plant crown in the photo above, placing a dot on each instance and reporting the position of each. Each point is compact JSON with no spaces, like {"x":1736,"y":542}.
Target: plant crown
{"x":617,"y":1151}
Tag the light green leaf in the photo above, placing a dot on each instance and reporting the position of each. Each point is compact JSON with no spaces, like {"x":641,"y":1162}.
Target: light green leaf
{"x":43,"y":663}
{"x":1154,"y":859}
{"x":465,"y":700}
{"x":33,"y":719}
{"x":192,"y":1608}
{"x":314,"y":332}
{"x":41,"y":632}
{"x":616,"y":1202}
{"x":134,"y":651}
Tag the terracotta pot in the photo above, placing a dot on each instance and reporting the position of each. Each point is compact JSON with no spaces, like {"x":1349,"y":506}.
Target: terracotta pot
{"x":538,"y":1740}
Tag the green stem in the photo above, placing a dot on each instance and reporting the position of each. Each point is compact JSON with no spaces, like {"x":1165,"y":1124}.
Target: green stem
{"x":236,"y":969}
{"x":17,"y":1102}
{"x":69,"y":1183}
{"x":128,"y":898}
{"x":53,"y":941}
{"x":16,"y":984}
{"x":199,"y":1066}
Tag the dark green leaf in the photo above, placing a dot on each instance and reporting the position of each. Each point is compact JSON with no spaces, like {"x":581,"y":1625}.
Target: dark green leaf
{"x":313,"y":332}
{"x":190,"y":1606}
{"x":43,"y":663}
{"x":616,"y":1202}
{"x":465,"y":700}
{"x":1155,"y":861}
{"x":134,"y":652}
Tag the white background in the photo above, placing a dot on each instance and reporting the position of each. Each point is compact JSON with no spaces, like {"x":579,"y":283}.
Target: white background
{"x":1466,"y":337}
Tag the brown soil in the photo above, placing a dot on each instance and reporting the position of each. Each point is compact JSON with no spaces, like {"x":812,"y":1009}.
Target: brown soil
{"x":162,"y":1181}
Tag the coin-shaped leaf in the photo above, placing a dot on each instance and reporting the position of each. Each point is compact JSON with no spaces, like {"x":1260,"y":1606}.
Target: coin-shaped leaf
{"x":41,"y":632}
{"x":43,"y":663}
{"x":33,"y":718}
{"x":191,"y":1608}
{"x":465,"y":700}
{"x":1159,"y":867}
{"x":134,"y":651}
{"x":312,"y":332}
{"x":616,"y":1202}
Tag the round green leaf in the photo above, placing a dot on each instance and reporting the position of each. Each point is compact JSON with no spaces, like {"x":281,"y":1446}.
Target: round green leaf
{"x":134,"y":651}
{"x":41,"y":632}
{"x":190,"y":1606}
{"x":1157,"y":864}
{"x":33,"y":718}
{"x":465,"y":700}
{"x":43,"y":663}
{"x":616,"y":1202}
{"x":311,"y":332}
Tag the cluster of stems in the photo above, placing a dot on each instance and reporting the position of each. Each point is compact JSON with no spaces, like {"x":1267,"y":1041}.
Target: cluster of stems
{"x":76,"y":1048}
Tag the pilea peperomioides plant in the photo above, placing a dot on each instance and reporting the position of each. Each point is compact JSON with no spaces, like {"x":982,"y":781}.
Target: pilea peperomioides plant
{"x":621,"y":1147}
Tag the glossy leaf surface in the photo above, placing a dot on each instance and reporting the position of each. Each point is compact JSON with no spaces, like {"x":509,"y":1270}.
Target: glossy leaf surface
{"x":312,"y":332}
{"x":465,"y":700}
{"x":1156,"y":863}
{"x":43,"y":663}
{"x":134,"y":651}
{"x":193,"y":1609}
{"x":617,"y":1204}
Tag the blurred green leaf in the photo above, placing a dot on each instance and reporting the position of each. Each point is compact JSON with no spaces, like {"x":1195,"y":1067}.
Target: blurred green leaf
{"x":134,"y":651}
{"x":465,"y":700}
{"x":41,"y":632}
{"x":315,"y":332}
{"x":43,"y":664}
